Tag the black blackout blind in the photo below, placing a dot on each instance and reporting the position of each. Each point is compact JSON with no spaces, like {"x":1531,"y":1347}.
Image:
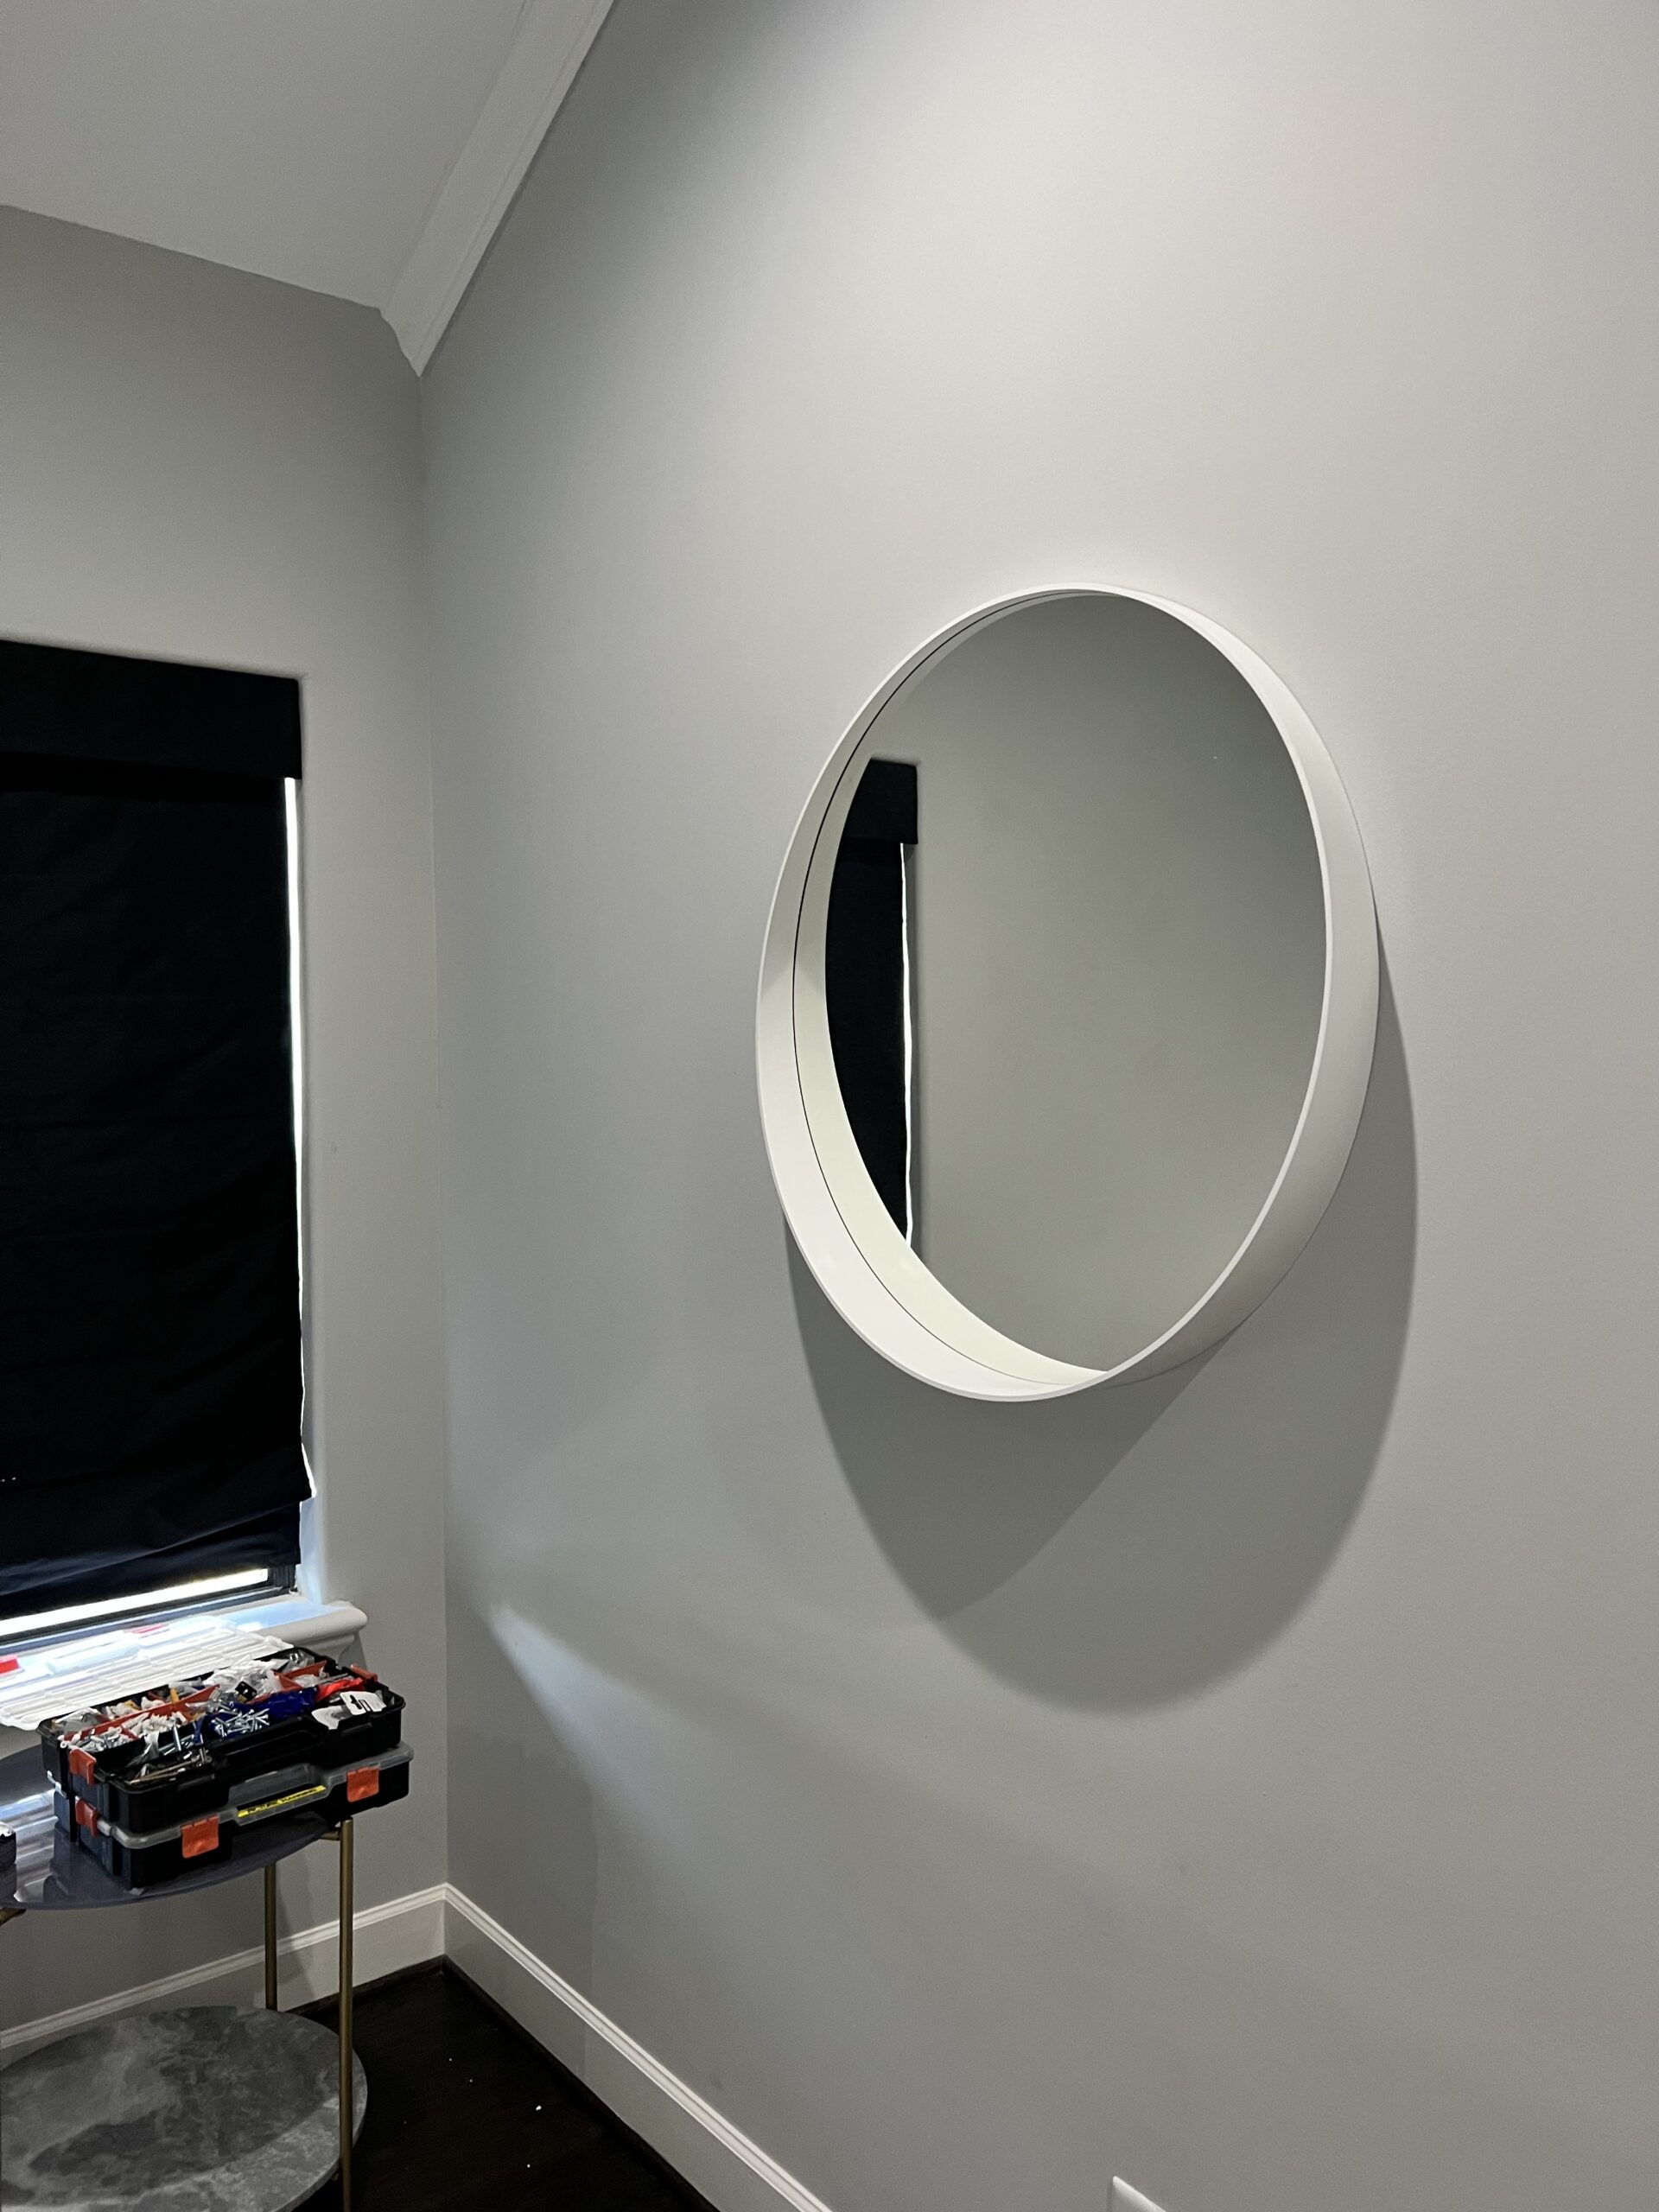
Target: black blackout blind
{"x":150,"y":1328}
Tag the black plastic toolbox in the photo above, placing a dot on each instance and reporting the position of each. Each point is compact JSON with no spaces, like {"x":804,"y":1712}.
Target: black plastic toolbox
{"x":164,"y":1781}
{"x":162,"y":1853}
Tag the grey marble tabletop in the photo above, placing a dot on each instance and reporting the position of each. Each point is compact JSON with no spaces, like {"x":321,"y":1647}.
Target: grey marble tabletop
{"x":208,"y":2110}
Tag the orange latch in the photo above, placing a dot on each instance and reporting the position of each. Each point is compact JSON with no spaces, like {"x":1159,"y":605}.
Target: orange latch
{"x":200,"y":1835}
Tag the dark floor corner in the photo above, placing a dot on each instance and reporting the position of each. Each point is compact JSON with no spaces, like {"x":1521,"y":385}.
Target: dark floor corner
{"x":465,"y":2111}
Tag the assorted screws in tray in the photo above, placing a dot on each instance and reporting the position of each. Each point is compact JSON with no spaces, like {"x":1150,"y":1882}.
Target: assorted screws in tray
{"x":152,"y":1783}
{"x":166,"y":1732}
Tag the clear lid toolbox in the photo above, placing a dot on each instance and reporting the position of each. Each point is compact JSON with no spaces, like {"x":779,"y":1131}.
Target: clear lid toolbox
{"x":154,"y":1768}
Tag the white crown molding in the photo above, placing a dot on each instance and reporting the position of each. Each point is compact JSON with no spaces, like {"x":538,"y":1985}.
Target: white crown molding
{"x":547,"y":48}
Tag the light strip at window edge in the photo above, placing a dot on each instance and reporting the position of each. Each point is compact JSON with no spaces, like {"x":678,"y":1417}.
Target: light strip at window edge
{"x":98,"y":1609}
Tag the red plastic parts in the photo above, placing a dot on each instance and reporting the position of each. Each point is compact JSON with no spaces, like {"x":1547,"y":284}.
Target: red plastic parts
{"x":362,"y":1781}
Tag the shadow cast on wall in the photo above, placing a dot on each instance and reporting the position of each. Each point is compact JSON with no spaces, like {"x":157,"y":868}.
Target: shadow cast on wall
{"x":1123,"y":1547}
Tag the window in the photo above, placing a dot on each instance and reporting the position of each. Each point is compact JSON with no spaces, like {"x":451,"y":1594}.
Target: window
{"x":151,"y":1362}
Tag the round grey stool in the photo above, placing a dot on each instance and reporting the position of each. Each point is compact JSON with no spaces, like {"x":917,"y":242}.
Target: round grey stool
{"x":208,"y":2110}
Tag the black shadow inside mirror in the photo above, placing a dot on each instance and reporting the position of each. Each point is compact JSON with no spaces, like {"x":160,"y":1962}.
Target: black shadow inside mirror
{"x":867,"y":981}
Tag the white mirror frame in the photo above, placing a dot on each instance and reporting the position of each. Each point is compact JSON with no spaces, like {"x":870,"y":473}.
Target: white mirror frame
{"x":860,"y":1259}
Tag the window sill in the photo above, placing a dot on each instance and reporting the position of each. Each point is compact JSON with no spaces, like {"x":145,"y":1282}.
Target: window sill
{"x":319,"y":1626}
{"x":304,"y":1620}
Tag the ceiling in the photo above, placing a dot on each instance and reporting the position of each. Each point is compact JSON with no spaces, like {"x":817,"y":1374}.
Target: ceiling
{"x":363,"y":148}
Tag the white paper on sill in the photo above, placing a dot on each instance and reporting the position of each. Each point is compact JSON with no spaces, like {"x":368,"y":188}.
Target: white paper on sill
{"x":61,"y":1678}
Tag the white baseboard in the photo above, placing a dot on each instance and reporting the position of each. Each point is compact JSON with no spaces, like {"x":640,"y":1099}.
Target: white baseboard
{"x":715,"y":2157}
{"x":403,"y":1932}
{"x":698,"y":2142}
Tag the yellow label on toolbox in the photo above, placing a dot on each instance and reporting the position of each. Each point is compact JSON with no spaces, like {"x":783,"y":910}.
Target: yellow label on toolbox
{"x":278,"y":1804}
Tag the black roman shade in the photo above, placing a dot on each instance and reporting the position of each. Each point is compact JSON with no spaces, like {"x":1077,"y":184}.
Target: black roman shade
{"x":150,"y":1379}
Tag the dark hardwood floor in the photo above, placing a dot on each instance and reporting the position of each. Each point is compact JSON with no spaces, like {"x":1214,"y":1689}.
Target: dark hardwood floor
{"x":465,"y":2111}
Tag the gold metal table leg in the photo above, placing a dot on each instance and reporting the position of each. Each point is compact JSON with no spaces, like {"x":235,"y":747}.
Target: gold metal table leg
{"x":270,"y":1939}
{"x":346,"y":2084}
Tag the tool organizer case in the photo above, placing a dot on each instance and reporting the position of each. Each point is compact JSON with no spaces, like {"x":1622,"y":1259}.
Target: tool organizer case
{"x":166,"y":1781}
{"x":142,"y":1859}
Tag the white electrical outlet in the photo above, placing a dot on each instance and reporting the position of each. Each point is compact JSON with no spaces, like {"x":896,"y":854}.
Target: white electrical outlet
{"x":1125,"y":2199}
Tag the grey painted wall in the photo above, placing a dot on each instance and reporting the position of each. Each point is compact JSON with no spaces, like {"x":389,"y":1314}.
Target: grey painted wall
{"x":202,"y":465}
{"x":1236,"y":1781}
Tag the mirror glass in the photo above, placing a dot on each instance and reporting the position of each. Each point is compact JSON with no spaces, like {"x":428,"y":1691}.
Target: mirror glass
{"x":1073,"y":963}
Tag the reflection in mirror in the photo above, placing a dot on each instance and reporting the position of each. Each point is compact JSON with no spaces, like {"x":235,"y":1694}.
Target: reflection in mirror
{"x":867,"y":982}
{"x":1088,"y":1004}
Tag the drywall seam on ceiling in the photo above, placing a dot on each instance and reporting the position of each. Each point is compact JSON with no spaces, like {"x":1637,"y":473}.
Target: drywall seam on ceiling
{"x":547,"y":48}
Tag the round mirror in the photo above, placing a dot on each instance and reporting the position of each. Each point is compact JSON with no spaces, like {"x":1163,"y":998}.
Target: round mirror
{"x":1068,"y":998}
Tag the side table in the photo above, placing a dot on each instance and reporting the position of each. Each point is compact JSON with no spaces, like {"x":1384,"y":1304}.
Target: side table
{"x":242,"y":2060}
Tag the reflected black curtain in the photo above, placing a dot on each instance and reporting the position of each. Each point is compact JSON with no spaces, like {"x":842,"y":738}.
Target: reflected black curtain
{"x":864,"y":975}
{"x":149,"y":1326}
